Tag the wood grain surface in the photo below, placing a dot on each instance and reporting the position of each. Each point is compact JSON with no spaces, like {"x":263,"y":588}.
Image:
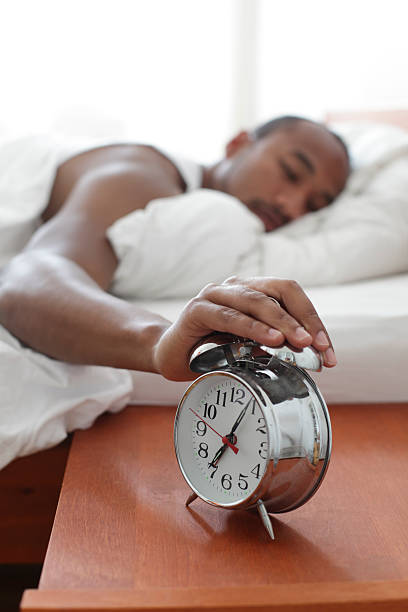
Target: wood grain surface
{"x":121,"y":524}
{"x":29,"y":491}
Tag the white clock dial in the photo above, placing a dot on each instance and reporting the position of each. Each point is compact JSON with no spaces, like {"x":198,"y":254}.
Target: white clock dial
{"x":222,"y":440}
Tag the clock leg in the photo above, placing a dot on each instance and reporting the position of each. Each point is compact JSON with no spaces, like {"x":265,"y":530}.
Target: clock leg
{"x":265,"y":518}
{"x":191,"y":498}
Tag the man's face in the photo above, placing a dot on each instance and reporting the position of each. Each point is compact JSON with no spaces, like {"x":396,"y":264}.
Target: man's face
{"x":286,"y":174}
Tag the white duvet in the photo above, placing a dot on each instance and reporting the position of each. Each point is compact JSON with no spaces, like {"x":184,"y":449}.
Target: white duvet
{"x":174,"y":247}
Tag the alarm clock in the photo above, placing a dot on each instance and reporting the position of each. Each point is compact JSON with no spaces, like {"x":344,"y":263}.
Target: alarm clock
{"x":253,"y":431}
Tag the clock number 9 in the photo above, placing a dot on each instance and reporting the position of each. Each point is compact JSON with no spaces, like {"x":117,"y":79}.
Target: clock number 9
{"x":203,"y":450}
{"x":201,"y":428}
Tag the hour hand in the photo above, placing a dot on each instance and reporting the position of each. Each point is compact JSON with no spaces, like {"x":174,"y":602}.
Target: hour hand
{"x":218,"y":455}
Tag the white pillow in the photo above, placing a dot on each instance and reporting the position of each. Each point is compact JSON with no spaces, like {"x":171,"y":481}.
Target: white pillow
{"x":364,"y":233}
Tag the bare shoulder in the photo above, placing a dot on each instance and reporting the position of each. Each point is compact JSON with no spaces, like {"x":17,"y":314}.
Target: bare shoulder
{"x":89,"y":200}
{"x":123,"y":166}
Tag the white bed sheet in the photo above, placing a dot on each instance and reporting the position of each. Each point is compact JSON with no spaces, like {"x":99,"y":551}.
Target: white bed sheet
{"x":368,"y":324}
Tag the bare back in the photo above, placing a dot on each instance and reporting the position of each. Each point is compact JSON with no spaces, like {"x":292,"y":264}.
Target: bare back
{"x":93,"y":190}
{"x":151,"y":160}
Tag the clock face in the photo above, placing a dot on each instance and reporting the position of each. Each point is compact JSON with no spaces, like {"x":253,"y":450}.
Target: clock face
{"x":221,"y":439}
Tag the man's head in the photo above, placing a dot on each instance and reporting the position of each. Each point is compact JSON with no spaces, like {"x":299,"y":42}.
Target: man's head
{"x":283,"y":169}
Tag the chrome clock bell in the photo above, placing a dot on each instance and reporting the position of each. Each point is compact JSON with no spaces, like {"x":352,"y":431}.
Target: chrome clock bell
{"x":253,"y":431}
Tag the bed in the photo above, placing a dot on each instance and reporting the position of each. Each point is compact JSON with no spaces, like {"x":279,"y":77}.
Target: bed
{"x":368,"y":322}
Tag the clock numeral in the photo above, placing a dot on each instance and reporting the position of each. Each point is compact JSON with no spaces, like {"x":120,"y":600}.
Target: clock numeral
{"x":263,"y":452}
{"x":224,"y":398}
{"x":237,"y":395}
{"x":242,"y":483}
{"x":210,"y":411}
{"x":203,"y":450}
{"x":253,"y":406}
{"x":201,"y":428}
{"x":226,"y":481}
{"x":255,"y":471}
{"x":262,"y":426}
{"x":215,"y":469}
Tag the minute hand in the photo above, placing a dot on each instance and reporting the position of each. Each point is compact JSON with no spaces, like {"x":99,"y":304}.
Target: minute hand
{"x":239,"y":419}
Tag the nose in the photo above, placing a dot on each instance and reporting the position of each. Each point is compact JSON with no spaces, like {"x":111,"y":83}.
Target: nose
{"x":292,"y":203}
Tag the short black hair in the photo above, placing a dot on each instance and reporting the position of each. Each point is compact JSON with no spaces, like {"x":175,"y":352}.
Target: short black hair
{"x":287,"y":121}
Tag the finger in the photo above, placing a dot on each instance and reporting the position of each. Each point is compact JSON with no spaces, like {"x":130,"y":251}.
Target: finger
{"x":261,"y":308}
{"x":295,"y":301}
{"x":224,"y":318}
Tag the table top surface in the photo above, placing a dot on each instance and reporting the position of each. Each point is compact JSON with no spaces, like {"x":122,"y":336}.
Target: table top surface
{"x":122,"y":524}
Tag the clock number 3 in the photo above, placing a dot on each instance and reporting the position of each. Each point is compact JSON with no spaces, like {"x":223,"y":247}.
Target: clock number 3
{"x":263,"y":452}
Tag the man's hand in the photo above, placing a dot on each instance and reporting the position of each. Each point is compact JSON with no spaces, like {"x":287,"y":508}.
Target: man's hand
{"x":242,"y":307}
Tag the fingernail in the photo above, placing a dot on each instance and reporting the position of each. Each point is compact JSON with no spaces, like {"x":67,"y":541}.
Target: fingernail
{"x":302,"y":334}
{"x":330,"y":357}
{"x":275,"y":334}
{"x":322,"y":339}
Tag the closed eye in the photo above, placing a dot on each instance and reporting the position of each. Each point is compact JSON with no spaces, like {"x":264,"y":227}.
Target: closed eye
{"x":288,"y":172}
{"x":312,"y":207}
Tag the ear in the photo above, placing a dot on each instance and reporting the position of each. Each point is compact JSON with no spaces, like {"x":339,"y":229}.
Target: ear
{"x":242,"y":139}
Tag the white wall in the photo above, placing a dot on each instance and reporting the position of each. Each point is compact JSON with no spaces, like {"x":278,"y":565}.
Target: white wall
{"x":324,"y":55}
{"x":159,"y":70}
{"x":186,"y":74}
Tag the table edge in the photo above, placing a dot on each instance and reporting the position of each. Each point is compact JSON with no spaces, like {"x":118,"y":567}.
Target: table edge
{"x":330,"y":597}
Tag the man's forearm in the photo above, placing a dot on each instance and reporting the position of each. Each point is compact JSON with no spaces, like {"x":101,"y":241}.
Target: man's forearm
{"x":53,"y":306}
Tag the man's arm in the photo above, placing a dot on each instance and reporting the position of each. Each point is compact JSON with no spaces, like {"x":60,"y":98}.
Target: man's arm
{"x":53,"y":296}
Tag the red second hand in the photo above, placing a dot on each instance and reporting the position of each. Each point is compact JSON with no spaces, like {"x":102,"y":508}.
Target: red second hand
{"x":223,"y":438}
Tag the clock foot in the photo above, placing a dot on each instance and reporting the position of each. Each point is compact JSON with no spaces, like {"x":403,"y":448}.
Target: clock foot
{"x":265,"y":518}
{"x":191,"y":498}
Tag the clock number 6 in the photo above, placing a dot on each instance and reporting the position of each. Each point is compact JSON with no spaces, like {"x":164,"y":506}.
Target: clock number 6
{"x":226,"y":481}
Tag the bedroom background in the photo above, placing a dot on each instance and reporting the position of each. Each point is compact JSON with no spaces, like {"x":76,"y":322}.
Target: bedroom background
{"x":185,"y":74}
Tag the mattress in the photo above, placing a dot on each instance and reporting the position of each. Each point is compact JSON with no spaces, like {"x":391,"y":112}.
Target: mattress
{"x":368,"y":324}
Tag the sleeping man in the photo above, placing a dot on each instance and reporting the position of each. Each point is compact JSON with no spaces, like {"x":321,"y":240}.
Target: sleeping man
{"x":54,"y":295}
